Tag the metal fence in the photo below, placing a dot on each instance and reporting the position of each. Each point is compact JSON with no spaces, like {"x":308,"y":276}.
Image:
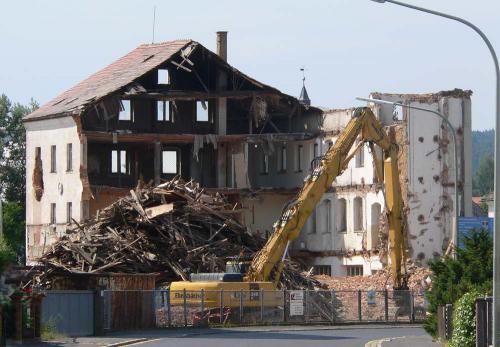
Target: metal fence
{"x":139,"y":309}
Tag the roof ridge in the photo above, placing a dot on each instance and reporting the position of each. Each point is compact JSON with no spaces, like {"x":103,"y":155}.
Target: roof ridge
{"x":163,"y":43}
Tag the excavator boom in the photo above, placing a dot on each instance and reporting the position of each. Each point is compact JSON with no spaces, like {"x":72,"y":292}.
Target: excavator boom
{"x":268,"y":263}
{"x":265,"y":269}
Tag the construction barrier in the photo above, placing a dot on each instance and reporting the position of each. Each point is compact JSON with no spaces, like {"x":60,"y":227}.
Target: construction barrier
{"x":145,"y":309}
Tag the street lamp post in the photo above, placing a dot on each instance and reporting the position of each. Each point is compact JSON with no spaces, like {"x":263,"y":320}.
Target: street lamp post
{"x":496,"y":228}
{"x":454,"y":238}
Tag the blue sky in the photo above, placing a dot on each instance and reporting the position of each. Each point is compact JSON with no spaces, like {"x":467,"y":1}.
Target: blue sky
{"x":349,"y":47}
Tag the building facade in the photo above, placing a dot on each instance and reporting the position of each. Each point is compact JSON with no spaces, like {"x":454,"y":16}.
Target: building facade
{"x":356,"y":240}
{"x":163,"y":110}
{"x":177,"y":109}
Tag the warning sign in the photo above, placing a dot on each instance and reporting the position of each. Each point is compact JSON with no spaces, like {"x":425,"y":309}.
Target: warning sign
{"x":296,"y":303}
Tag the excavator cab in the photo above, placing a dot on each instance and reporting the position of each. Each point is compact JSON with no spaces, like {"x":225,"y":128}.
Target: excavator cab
{"x":238,"y":265}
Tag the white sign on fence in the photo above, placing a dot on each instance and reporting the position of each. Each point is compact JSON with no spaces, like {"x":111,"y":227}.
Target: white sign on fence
{"x":296,"y":295}
{"x":296,"y":309}
{"x":296,"y":303}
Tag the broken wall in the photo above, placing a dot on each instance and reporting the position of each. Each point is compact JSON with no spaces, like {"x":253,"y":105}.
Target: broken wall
{"x":59,"y":187}
{"x":430,"y":167}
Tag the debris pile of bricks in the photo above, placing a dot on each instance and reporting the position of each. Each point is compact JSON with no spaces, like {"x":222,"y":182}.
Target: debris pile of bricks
{"x":418,"y":280}
{"x":175,"y":228}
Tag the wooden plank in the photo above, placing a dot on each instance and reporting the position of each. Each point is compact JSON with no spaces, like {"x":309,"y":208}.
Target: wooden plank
{"x":156,"y":211}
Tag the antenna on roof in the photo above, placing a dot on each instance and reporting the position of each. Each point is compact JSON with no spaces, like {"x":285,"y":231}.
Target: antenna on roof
{"x":154,"y":22}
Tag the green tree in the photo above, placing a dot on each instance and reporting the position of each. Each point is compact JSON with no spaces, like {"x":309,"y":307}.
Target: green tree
{"x":13,"y":174}
{"x":14,"y":226}
{"x":483,"y":179}
{"x":13,"y":149}
{"x":472,"y":270}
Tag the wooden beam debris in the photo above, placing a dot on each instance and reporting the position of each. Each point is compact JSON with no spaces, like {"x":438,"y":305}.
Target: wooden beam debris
{"x":175,"y":228}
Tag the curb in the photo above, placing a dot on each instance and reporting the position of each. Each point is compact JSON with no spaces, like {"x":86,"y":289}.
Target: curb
{"x":126,"y":343}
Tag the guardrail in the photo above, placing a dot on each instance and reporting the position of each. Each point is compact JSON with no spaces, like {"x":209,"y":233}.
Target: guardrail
{"x":139,"y":309}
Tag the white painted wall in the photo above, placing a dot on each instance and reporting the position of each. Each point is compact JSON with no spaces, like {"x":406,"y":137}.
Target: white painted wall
{"x":60,"y":187}
{"x":430,"y":188}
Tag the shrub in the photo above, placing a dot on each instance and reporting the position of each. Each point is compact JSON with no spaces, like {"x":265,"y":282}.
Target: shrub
{"x":464,"y":321}
{"x":472,"y":270}
{"x":7,"y":255}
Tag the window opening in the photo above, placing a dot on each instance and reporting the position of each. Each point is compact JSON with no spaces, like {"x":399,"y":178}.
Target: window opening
{"x":163,"y":111}
{"x":126,"y":114}
{"x":342,"y":211}
{"x":201,"y":111}
{"x":358,"y":214}
{"x":300,"y":153}
{"x":354,"y":270}
{"x":322,"y":270}
{"x":69,"y":212}
{"x":169,"y":162}
{"x":69,"y":157}
{"x":163,"y":76}
{"x":52,"y":213}
{"x":53,"y":163}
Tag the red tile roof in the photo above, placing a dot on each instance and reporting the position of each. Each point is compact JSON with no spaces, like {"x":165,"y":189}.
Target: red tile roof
{"x":476,"y":200}
{"x":120,"y":73}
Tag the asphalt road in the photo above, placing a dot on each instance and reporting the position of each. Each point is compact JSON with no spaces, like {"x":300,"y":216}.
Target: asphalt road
{"x":348,"y":337}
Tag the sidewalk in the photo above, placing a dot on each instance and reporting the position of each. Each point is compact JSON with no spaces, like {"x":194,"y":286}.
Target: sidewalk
{"x":405,"y":341}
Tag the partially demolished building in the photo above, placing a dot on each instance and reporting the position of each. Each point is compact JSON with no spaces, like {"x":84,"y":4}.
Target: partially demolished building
{"x":162,"y":110}
{"x":347,"y":234}
{"x":176,"y":108}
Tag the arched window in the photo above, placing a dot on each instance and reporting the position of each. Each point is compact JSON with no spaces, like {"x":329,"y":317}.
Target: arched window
{"x":342,"y":215}
{"x":325,"y":216}
{"x":358,"y":214}
{"x":376,"y":209}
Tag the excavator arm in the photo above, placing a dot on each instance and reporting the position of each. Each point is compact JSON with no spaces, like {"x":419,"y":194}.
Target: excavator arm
{"x":268,"y":263}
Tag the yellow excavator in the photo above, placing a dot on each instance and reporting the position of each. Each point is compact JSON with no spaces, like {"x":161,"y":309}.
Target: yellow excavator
{"x":242,"y":282}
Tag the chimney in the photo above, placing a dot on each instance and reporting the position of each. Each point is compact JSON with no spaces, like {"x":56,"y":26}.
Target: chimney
{"x":222,"y":44}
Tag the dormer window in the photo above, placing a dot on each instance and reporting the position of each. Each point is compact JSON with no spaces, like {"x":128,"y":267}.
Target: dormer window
{"x":163,"y":77}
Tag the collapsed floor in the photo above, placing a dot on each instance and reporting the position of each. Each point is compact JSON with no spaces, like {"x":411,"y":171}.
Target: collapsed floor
{"x":173,"y":229}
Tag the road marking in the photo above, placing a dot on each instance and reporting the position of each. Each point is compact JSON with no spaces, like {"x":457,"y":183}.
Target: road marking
{"x":378,"y":343}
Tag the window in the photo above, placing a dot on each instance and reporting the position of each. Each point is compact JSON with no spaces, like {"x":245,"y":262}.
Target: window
{"x":119,"y":162}
{"x":69,"y":212}
{"x":163,"y":111}
{"x":325,"y":216}
{"x":322,"y":270}
{"x":169,"y":162}
{"x":201,"y":111}
{"x":358,"y":214}
{"x":53,"y":164}
{"x":282,"y":159}
{"x":300,"y":154}
{"x":52,"y":213}
{"x":360,"y":157}
{"x":342,"y":213}
{"x":38,"y":152}
{"x":126,"y":113}
{"x":163,"y":76}
{"x":265,"y":164}
{"x":69,"y":157}
{"x":354,"y":270}
{"x":316,"y":150}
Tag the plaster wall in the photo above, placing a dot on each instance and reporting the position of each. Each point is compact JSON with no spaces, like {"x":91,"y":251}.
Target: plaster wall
{"x":60,"y":187}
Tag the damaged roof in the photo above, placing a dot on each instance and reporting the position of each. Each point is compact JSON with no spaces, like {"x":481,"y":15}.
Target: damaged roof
{"x":117,"y":75}
{"x":427,"y":97}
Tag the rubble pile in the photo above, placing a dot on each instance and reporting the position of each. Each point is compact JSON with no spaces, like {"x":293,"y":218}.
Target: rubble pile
{"x":417,"y":280}
{"x":175,"y":228}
